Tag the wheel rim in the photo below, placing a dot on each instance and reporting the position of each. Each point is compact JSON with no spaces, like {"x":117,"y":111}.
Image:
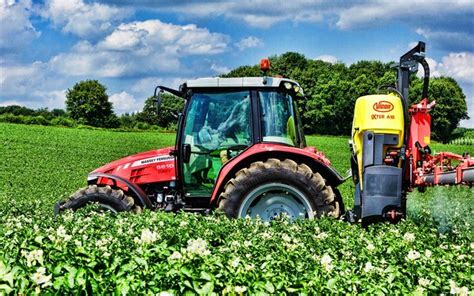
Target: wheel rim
{"x":269,"y":201}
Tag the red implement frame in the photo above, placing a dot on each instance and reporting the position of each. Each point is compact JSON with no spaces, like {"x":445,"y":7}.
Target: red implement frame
{"x":430,"y":170}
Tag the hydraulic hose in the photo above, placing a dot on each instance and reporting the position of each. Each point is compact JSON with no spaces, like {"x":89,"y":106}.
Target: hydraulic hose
{"x":426,"y":78}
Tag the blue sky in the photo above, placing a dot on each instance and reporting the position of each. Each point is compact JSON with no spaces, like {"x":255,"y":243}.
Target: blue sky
{"x":131,"y":46}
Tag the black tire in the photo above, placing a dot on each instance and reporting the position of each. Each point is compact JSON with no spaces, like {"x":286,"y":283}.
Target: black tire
{"x":320,"y":196}
{"x":105,"y":197}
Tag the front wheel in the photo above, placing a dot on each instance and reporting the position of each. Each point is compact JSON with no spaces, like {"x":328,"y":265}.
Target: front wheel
{"x":274,"y":188}
{"x":106,"y":198}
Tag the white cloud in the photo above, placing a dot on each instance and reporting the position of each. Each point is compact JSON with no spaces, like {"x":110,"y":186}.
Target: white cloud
{"x":54,"y":99}
{"x":139,"y":48}
{"x":18,"y":79}
{"x":33,"y":85}
{"x":262,"y":14}
{"x":83,"y":19}
{"x":449,"y":39}
{"x":16,"y":29}
{"x":460,"y":66}
{"x":220,"y":69}
{"x":249,"y":42}
{"x":11,"y":102}
{"x":172,"y":39}
{"x":327,"y":58}
{"x":364,"y":13}
{"x":446,"y":24}
{"x":124,"y":102}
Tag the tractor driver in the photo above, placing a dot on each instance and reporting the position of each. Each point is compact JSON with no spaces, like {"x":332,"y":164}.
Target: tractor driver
{"x":236,"y":123}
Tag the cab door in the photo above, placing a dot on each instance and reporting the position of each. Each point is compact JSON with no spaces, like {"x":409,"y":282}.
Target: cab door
{"x":217,"y":126}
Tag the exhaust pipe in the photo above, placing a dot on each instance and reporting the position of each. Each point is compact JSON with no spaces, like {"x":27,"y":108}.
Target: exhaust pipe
{"x":449,"y":178}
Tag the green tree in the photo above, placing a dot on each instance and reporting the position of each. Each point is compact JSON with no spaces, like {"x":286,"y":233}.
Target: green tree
{"x":244,"y":71}
{"x":287,"y":63}
{"x":331,"y":92}
{"x":87,"y":102}
{"x":166,"y":116}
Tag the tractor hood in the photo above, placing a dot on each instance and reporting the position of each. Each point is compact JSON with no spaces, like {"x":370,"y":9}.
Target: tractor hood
{"x":147,"y":167}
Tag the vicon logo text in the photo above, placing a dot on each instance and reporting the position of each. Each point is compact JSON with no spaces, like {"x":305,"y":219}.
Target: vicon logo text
{"x":383,"y":106}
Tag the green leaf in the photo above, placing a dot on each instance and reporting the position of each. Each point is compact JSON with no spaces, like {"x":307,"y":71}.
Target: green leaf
{"x":269,"y":287}
{"x":70,"y":277}
{"x":206,"y":276}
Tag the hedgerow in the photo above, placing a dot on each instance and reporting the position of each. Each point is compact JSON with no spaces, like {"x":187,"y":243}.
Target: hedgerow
{"x":156,"y":252}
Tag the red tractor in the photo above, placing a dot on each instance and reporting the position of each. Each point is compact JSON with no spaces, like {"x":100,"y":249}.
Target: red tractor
{"x":240,"y":148}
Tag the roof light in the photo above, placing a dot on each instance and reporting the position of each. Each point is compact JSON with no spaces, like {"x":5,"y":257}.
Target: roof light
{"x":265,"y":65}
{"x":287,"y":85}
{"x":296,"y":88}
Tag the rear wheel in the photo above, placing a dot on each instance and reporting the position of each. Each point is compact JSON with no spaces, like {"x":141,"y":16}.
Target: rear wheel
{"x":273,"y":188}
{"x":106,"y":198}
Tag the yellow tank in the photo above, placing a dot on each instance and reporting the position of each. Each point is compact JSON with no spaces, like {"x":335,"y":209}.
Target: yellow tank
{"x":381,"y":114}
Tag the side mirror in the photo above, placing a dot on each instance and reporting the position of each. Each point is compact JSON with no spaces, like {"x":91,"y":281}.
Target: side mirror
{"x":157,"y":98}
{"x":186,"y":153}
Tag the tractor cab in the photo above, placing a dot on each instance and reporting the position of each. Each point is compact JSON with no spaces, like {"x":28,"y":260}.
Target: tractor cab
{"x":225,"y":116}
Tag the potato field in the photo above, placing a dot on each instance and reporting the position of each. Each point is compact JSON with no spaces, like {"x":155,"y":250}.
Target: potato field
{"x":158,"y":253}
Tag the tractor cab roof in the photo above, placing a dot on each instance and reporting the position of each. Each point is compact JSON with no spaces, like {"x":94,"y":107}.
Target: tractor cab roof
{"x":260,"y":82}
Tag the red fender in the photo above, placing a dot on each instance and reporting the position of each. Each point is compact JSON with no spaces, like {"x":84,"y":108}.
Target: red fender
{"x":316,"y":160}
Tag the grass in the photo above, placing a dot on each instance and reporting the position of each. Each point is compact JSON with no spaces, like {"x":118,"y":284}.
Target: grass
{"x":156,"y":252}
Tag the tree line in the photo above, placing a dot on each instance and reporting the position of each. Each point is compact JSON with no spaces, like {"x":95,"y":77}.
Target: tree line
{"x":327,"y":108}
{"x":332,"y":89}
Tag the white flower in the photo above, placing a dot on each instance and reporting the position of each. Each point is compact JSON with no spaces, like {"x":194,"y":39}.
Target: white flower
{"x":147,"y":237}
{"x":464,"y":291}
{"x":176,"y":255}
{"x":247,"y":243}
{"x":197,"y":247}
{"x":61,"y":233}
{"x":413,"y":255}
{"x":234,"y":263}
{"x":370,"y":247}
{"x":165,"y":293}
{"x":428,"y":253}
{"x":322,"y":235}
{"x":409,"y":237}
{"x":249,"y":267}
{"x":40,"y":277}
{"x":33,"y":257}
{"x":286,"y":237}
{"x":326,"y":261}
{"x":424,"y":282}
{"x":240,"y":289}
{"x":471,"y":245}
{"x":368,"y":267}
{"x":183,"y":223}
{"x":266,"y":235}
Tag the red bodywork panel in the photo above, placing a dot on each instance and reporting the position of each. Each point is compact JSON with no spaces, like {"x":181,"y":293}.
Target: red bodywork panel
{"x":420,"y":127}
{"x":264,"y":148}
{"x":159,"y":166}
{"x":149,"y":167}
